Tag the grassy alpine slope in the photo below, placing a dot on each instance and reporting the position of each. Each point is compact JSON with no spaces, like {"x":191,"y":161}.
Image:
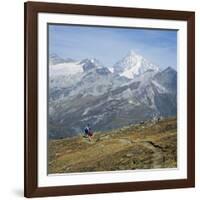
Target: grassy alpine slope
{"x":144,"y":146}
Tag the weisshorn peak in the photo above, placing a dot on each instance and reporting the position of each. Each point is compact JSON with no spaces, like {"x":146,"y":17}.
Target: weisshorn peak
{"x":133,"y":65}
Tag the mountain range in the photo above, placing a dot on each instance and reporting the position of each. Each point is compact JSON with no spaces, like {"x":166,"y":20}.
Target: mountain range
{"x":87,"y":92}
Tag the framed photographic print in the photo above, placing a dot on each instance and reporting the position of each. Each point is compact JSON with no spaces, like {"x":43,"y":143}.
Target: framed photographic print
{"x":109,"y":99}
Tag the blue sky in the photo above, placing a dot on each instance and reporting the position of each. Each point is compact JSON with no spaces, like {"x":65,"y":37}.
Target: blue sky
{"x":109,"y":45}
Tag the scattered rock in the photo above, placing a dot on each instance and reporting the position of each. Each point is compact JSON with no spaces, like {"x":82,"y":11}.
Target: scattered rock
{"x":123,"y":160}
{"x":125,"y":141}
{"x":104,"y":137}
{"x":129,"y":154}
{"x":122,"y":167}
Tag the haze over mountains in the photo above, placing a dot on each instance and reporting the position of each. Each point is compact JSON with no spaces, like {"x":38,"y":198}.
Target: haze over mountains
{"x":107,"y":97}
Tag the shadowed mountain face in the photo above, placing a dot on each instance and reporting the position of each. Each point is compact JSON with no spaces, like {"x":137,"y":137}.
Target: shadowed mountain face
{"x":108,"y":100}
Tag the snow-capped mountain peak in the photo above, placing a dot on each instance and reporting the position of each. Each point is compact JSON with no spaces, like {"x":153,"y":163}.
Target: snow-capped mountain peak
{"x":91,"y":63}
{"x":133,"y":65}
{"x":54,"y":59}
{"x":132,"y":53}
{"x":65,"y":69}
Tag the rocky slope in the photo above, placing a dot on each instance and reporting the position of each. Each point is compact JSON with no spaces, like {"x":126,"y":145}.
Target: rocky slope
{"x":82,"y":92}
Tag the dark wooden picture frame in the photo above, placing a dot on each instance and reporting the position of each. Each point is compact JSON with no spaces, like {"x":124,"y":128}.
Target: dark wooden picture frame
{"x":32,"y":9}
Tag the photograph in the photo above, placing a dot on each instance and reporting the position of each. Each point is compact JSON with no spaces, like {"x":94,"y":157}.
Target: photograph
{"x":109,"y":99}
{"x":112,"y":98}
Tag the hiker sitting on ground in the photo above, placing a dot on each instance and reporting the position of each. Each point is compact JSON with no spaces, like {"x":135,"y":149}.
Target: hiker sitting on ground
{"x":88,"y":132}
